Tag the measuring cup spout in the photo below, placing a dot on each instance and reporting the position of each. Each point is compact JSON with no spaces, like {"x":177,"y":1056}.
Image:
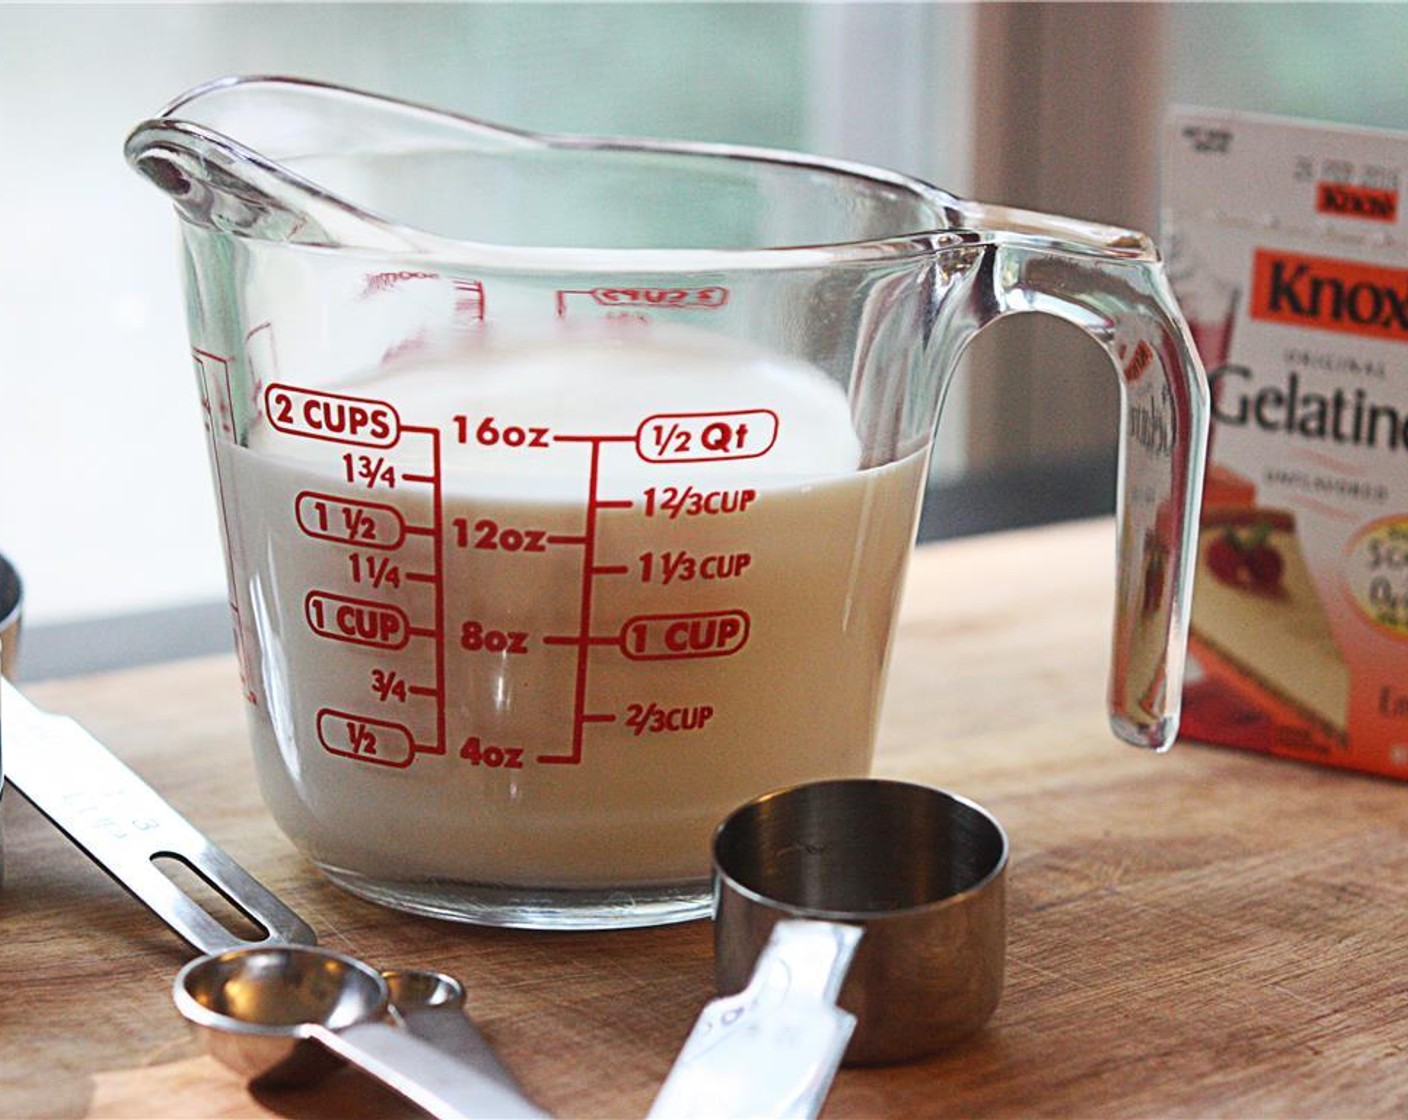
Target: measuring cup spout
{"x":266,"y":158}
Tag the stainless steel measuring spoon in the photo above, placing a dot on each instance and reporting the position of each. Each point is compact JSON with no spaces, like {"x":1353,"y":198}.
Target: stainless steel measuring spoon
{"x":857,"y":917}
{"x":276,"y":1013}
{"x":123,"y":825}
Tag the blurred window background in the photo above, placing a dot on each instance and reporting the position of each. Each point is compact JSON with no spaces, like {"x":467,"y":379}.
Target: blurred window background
{"x":105,"y":499}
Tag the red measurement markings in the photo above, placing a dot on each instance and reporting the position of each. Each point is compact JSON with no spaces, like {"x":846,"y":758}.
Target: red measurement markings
{"x":377,"y":283}
{"x":651,"y":718}
{"x":476,"y":753}
{"x":583,"y":640}
{"x":382,"y":742}
{"x":346,"y":521}
{"x":261,"y":358}
{"x":492,"y":432}
{"x":595,"y":503}
{"x":478,"y":638}
{"x":436,"y":532}
{"x":647,"y":299}
{"x":213,"y":371}
{"x":682,"y":566}
{"x":335,"y":417}
{"x":369,"y":471}
{"x":469,"y":299}
{"x":468,"y":306}
{"x":358,"y":621}
{"x":704,"y":437}
{"x":369,"y":569}
{"x":389,"y":685}
{"x":580,"y":538}
{"x":489,"y":536}
{"x":662,"y":637}
{"x":675,"y":502}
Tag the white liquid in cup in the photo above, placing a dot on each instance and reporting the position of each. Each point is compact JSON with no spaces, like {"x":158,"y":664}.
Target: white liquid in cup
{"x":738,"y":610}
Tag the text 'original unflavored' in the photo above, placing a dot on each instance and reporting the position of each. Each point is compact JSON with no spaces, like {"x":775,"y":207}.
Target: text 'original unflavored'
{"x":1289,"y":253}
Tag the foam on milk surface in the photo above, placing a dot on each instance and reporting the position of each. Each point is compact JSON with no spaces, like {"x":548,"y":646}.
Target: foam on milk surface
{"x":796,"y":554}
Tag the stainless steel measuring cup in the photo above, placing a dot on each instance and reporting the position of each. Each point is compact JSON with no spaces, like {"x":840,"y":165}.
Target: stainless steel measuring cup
{"x":11,"y":597}
{"x":857,"y":917}
{"x":294,"y":999}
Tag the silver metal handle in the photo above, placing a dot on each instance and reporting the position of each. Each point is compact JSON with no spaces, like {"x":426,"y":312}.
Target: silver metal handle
{"x":122,"y":824}
{"x":448,"y":1028}
{"x":773,"y":1049}
{"x":431,"y":1006}
{"x":424,"y":1074}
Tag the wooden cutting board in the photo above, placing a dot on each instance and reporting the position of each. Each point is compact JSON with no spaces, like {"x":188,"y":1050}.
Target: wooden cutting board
{"x":1205,"y":933}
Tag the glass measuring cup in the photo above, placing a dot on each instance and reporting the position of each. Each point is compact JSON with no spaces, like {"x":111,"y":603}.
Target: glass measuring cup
{"x":568,"y":484}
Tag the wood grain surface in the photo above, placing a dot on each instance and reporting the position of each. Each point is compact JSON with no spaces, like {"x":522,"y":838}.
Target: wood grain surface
{"x":1203,"y":933}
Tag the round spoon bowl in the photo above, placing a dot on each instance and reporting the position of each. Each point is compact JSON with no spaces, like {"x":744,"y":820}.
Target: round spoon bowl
{"x":421,"y":987}
{"x":254,"y":1008}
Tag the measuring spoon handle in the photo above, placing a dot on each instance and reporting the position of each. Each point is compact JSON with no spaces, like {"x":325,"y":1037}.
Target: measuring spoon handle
{"x":122,"y":824}
{"x":773,"y":1049}
{"x":425,"y":1075}
{"x":450,"y":1029}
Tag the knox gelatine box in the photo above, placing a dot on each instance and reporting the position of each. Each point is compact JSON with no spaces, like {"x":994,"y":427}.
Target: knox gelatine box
{"x":1288,"y":251}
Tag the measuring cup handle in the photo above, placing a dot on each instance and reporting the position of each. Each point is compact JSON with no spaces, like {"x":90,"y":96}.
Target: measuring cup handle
{"x":1111,"y":284}
{"x":424,"y":1074}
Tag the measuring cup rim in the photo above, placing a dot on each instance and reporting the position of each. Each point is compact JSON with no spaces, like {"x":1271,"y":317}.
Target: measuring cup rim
{"x":197,"y":1013}
{"x":859,"y":917}
{"x":955,"y":222}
